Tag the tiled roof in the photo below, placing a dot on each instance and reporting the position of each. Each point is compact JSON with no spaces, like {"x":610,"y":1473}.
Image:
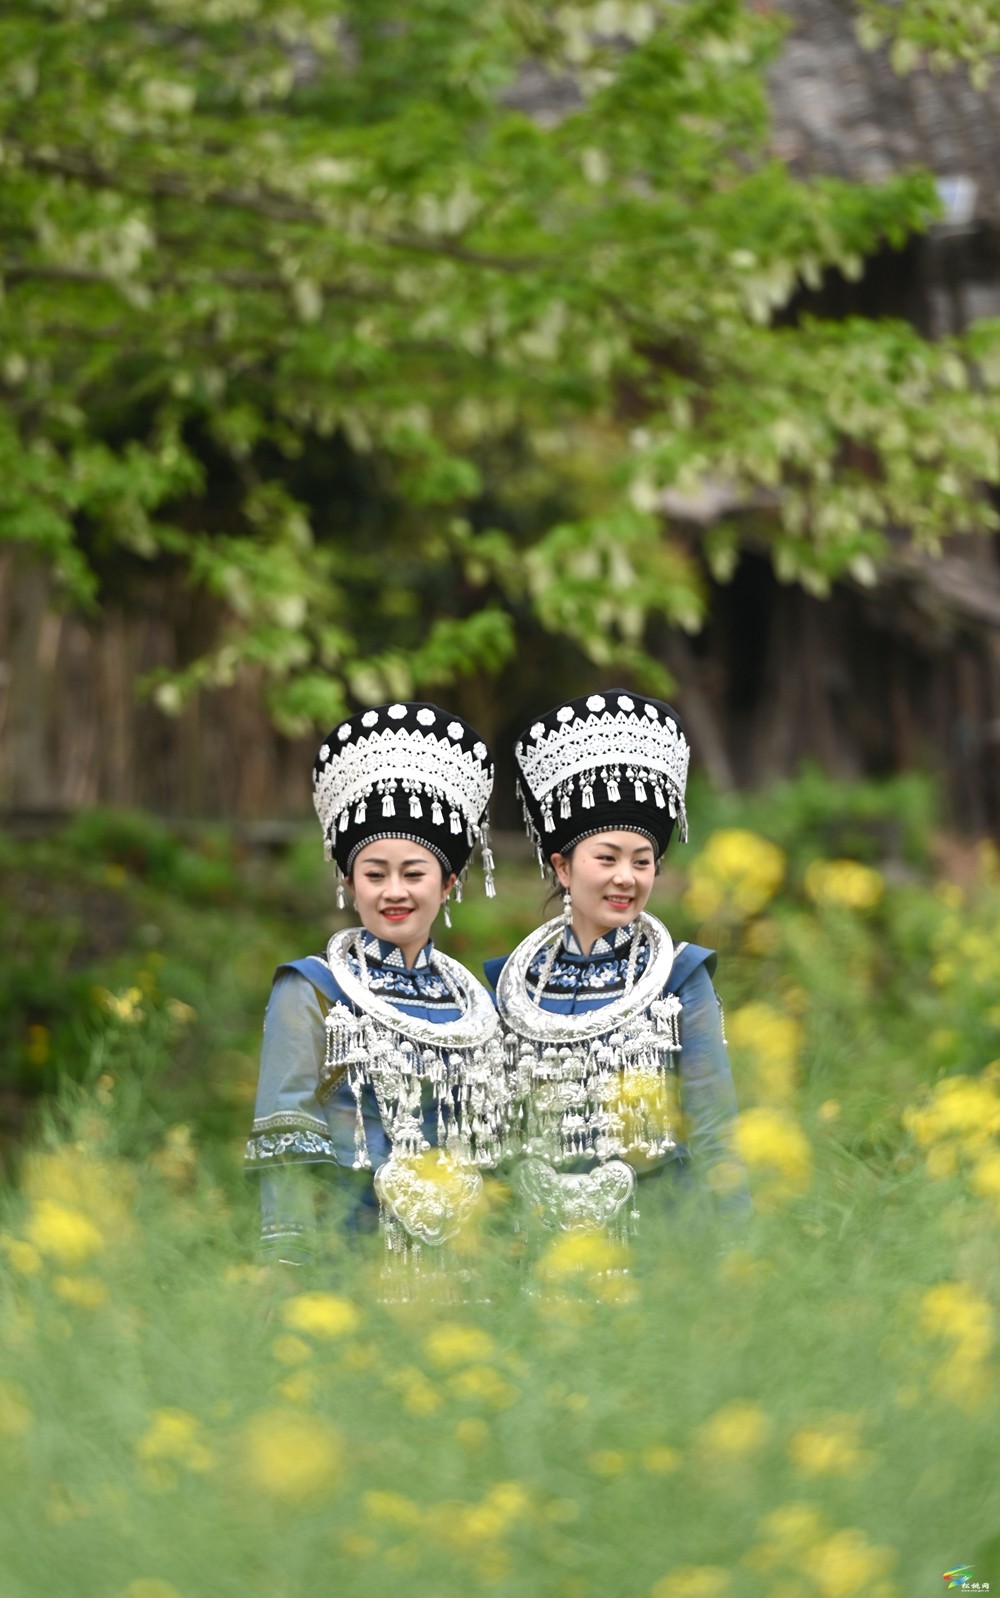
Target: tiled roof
{"x":843,"y":111}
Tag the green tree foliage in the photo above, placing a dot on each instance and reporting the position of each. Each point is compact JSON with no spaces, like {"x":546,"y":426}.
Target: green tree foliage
{"x":942,"y":33}
{"x":306,"y":303}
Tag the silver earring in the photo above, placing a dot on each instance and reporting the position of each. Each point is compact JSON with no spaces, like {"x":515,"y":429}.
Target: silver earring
{"x":567,"y":907}
{"x":447,"y":912}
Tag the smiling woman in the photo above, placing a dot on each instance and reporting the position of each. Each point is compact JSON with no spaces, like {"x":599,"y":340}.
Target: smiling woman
{"x":608,"y":879}
{"x":398,"y":890}
{"x":621,"y":1068}
{"x":382,"y":1056}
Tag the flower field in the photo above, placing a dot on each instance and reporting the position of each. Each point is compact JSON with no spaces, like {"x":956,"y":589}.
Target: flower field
{"x":805,"y":1406}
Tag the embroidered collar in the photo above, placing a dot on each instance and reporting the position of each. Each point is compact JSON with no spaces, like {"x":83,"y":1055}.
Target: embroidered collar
{"x":608,"y":943}
{"x":378,"y":951}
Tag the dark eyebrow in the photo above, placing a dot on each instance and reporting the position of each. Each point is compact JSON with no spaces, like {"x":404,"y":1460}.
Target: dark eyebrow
{"x":617,"y":848}
{"x":377,"y":860}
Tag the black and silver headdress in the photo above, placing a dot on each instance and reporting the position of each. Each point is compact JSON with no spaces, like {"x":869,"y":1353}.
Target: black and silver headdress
{"x":405,"y":771}
{"x":604,"y":762}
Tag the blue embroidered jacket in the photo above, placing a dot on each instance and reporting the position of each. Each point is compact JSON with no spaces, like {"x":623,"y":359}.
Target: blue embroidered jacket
{"x":291,"y":1128}
{"x":579,"y":982}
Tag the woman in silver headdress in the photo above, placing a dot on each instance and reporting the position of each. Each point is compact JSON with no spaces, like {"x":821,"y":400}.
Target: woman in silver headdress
{"x":614,"y":1035}
{"x":382,"y":1048}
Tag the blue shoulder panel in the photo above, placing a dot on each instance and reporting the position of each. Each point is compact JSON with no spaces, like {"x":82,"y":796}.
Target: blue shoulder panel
{"x":318,"y":973}
{"x":494,"y":967}
{"x":687,"y":961}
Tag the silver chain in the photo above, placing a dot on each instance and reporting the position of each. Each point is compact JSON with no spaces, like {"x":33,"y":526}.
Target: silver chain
{"x":547,"y":965}
{"x":633,"y":957}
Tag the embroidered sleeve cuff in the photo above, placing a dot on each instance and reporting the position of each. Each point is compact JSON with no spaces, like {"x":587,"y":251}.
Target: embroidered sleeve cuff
{"x":289,"y":1139}
{"x":286,"y":1245}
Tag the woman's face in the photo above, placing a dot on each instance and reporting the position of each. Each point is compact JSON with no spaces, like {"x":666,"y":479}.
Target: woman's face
{"x":609,"y":878}
{"x":398,"y":890}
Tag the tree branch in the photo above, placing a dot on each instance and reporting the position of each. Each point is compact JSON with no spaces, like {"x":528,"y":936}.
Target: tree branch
{"x":274,"y":207}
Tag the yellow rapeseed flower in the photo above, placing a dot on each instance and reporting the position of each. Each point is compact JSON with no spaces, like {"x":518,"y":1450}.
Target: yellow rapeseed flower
{"x":301,"y":1387}
{"x":844,"y":882}
{"x":952,"y":1313}
{"x":125,"y":1006}
{"x":483,"y":1383}
{"x":241,"y":1275}
{"x":418,"y":1395}
{"x":847,"y":1564}
{"x":776,"y":1149}
{"x":964,"y":1380}
{"x":742,"y":1269}
{"x":694,"y":1581}
{"x":395,"y":1509}
{"x":942,"y":1162}
{"x":639,"y":1090}
{"x":15,"y":1415}
{"x":62,"y":1233}
{"x":74,"y":1176}
{"x":452,"y":1343}
{"x":955,"y":1312}
{"x":830,"y":1450}
{"x":175,"y":1437}
{"x":963,"y":1109}
{"x":794,"y":1526}
{"x":290,"y":1456}
{"x":647,"y":1104}
{"x":771,"y":1041}
{"x":445,"y":1171}
{"x":581,"y":1253}
{"x":24,"y":1257}
{"x":472,"y":1432}
{"x":737,"y":873}
{"x":985,"y":1178}
{"x":446,"y":1523}
{"x":735,"y":1432}
{"x":320,"y":1314}
{"x":766,"y":1030}
{"x":87,"y":1292}
{"x":470,"y":1527}
{"x":505,"y":1503}
{"x":661,"y":1460}
{"x":617,"y":1288}
{"x":289,"y":1350}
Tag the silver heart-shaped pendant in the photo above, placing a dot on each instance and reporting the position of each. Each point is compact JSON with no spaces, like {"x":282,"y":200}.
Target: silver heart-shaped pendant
{"x":567,"y":1200}
{"x":431,"y":1198}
